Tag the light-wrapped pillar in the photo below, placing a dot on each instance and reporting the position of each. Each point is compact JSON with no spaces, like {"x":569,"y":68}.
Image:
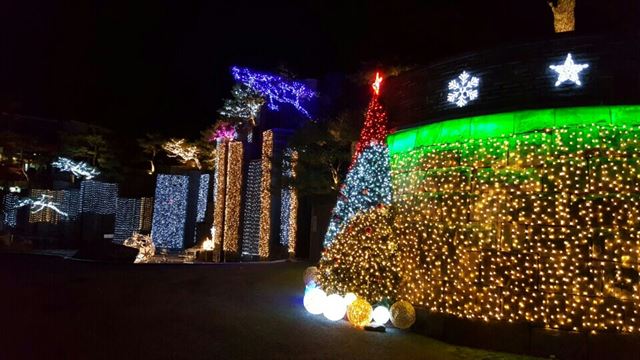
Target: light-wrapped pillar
{"x":265,"y":195}
{"x":233,"y":200}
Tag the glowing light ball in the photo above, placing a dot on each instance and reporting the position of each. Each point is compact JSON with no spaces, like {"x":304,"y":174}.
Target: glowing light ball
{"x":381,"y":315}
{"x":403,"y":315}
{"x":314,"y":301}
{"x":310,"y":274}
{"x":310,"y":285}
{"x":349,"y":298}
{"x":359,"y":312}
{"x":335,"y":307}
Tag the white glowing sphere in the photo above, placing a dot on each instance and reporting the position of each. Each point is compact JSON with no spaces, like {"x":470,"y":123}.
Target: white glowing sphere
{"x":381,"y":315}
{"x":335,"y":307}
{"x":315,"y":300}
{"x":349,"y":298}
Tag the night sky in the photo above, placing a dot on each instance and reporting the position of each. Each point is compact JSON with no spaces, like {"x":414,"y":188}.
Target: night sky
{"x":164,"y":65}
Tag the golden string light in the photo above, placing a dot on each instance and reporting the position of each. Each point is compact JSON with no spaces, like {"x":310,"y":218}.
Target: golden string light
{"x":265,"y":195}
{"x":233,"y":196}
{"x":47,"y":215}
{"x":185,"y":153}
{"x":220,"y":186}
{"x":542,"y":227}
{"x":293,"y":203}
{"x":563,"y":15}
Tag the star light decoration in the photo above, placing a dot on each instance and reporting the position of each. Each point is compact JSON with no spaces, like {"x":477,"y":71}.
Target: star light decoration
{"x":77,"y":168}
{"x":37,"y":205}
{"x":463,"y":89}
{"x":569,"y":71}
{"x":376,"y":84}
{"x":275,"y":89}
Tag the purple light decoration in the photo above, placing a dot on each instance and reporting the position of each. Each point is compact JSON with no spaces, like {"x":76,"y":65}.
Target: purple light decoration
{"x":224,"y":133}
{"x":275,"y":88}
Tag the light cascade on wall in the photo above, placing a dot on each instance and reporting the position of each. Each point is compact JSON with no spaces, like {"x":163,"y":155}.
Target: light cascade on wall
{"x":231,"y":242}
{"x":146,"y":214}
{"x":98,"y":197}
{"x":276,"y":89}
{"x":170,"y":211}
{"x":127,"y":219}
{"x":71,"y":203}
{"x":264,"y":248}
{"x":515,"y":220}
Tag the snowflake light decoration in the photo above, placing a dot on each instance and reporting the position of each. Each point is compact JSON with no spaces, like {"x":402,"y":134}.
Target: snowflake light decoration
{"x":37,"y":205}
{"x":77,"y":168}
{"x":463,"y":89}
{"x":569,"y":71}
{"x":275,"y":89}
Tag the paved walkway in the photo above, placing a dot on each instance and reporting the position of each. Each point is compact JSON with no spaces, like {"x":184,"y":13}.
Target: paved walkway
{"x":52,"y":308}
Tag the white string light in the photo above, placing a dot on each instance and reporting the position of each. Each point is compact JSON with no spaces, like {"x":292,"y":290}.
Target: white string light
{"x":77,"y":168}
{"x":569,"y":71}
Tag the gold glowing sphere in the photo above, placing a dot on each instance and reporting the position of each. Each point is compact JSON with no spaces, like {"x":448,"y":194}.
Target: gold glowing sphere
{"x":310,"y":274}
{"x":403,"y":315}
{"x":359,"y":312}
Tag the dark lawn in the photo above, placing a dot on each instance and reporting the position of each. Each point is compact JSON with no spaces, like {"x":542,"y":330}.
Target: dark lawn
{"x":53,"y":308}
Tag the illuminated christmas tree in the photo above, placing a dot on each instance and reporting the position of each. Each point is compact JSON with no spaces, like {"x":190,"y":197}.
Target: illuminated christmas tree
{"x":368,"y":181}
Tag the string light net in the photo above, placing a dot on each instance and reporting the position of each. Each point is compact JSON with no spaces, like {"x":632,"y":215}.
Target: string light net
{"x":528,"y":216}
{"x":363,"y":258}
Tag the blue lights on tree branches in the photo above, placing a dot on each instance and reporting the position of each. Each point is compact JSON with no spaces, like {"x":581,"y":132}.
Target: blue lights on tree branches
{"x":275,"y":89}
{"x":367,"y":185}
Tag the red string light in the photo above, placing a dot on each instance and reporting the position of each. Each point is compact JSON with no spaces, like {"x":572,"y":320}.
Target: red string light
{"x":375,"y":129}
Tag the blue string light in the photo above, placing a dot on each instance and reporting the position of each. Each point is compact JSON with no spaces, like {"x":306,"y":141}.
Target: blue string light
{"x":127,"y":219}
{"x":367,"y":185}
{"x":170,"y":211}
{"x":251,"y":223}
{"x":275,"y":89}
{"x":203,"y":192}
{"x":98,"y":197}
{"x":10,"y":210}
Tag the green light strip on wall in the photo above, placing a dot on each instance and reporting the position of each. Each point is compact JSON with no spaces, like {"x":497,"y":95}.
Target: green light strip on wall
{"x":495,"y":125}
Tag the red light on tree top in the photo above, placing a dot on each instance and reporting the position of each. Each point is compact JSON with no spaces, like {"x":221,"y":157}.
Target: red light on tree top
{"x":376,"y":84}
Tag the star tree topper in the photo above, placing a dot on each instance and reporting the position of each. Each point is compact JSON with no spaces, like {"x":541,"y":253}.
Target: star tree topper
{"x":569,"y":71}
{"x":376,"y":84}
